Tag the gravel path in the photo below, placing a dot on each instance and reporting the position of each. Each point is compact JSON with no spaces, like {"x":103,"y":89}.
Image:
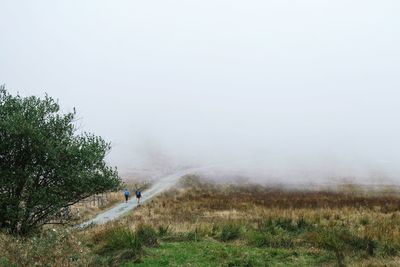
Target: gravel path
{"x":121,"y":209}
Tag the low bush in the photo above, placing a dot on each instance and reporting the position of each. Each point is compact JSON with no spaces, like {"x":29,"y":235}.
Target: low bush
{"x":341,"y":241}
{"x":331,"y":240}
{"x":288,"y":225}
{"x":260,"y":239}
{"x":389,"y":249}
{"x":147,"y":235}
{"x":195,"y":235}
{"x":364,"y":221}
{"x":366,"y":244}
{"x":229,"y":232}
{"x":163,"y":230}
{"x":121,"y":244}
{"x":304,"y":225}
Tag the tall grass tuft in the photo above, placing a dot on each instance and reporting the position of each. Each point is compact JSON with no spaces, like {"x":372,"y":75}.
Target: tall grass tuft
{"x":279,"y":239}
{"x":229,"y":232}
{"x":122,"y":244}
{"x":147,"y":235}
{"x":340,"y":240}
{"x":163,"y":230}
{"x":389,"y":249}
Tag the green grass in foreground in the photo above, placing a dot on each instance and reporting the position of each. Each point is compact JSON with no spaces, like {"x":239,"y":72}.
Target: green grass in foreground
{"x":214,"y":253}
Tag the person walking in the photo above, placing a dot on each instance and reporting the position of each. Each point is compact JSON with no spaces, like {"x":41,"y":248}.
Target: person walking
{"x":126,"y":194}
{"x":138,"y":195}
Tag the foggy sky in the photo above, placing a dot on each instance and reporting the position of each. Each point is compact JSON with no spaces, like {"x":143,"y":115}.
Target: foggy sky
{"x":279,"y":88}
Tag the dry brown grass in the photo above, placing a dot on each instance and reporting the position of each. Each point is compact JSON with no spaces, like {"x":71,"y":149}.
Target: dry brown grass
{"x":49,"y":248}
{"x":196,"y":206}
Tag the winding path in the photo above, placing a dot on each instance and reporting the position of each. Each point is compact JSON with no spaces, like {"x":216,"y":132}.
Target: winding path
{"x":121,"y":209}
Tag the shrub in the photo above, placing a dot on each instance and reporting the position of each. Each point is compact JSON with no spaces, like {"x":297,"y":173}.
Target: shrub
{"x":366,"y":244}
{"x":259,"y":239}
{"x":364,"y":221}
{"x":163,"y":230}
{"x":266,"y":226}
{"x":192,"y":236}
{"x":229,"y":232}
{"x":339,"y":240}
{"x":215,"y":230}
{"x":389,"y":249}
{"x":147,"y":235}
{"x":46,"y":166}
{"x":196,"y":235}
{"x":304,"y":225}
{"x":121,"y":243}
{"x":332,"y":241}
{"x":273,"y":226}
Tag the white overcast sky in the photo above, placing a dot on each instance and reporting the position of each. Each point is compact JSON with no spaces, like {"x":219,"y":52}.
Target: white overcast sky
{"x":294,"y":87}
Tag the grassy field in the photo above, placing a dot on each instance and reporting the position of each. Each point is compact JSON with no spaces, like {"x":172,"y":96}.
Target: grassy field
{"x":205,"y":224}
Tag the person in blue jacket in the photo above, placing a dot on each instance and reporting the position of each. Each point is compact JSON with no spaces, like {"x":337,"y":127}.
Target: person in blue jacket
{"x":126,"y":194}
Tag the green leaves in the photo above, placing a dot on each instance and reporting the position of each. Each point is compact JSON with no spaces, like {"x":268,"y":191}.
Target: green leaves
{"x":45,"y":167}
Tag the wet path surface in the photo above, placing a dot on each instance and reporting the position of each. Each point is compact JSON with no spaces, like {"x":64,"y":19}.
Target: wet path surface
{"x":119,"y":210}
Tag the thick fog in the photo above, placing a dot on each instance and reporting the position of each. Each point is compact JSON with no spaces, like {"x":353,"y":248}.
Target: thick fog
{"x":272,"y":90}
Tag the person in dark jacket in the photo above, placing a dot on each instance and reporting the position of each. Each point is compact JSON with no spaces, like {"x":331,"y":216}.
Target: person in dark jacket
{"x":138,"y":195}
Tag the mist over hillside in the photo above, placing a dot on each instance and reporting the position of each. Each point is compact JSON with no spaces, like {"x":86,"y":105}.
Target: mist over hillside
{"x":269,"y":90}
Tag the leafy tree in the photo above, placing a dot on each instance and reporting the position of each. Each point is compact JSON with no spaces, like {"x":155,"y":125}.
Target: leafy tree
{"x":45,"y":166}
